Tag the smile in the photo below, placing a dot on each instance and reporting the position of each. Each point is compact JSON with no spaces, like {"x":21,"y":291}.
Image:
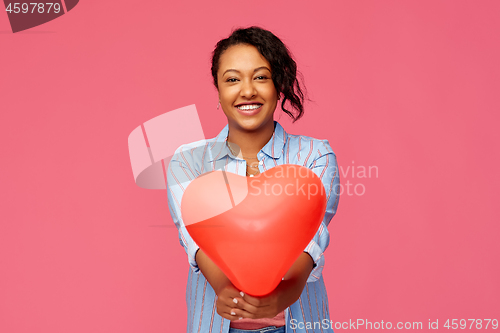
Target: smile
{"x":249,"y":109}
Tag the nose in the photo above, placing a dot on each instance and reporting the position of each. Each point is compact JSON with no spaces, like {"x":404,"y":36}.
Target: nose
{"x":248,"y":89}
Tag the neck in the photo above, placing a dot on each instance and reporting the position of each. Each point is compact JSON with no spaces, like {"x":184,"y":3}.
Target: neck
{"x":250,"y":142}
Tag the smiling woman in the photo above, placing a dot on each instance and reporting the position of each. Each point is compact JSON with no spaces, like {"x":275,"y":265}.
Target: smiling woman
{"x":253,"y":70}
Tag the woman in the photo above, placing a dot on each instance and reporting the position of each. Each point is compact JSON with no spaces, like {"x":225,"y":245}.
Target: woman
{"x":252,"y":70}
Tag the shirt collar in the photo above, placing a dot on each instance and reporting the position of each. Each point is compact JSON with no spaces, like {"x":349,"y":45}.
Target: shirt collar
{"x":273,"y":148}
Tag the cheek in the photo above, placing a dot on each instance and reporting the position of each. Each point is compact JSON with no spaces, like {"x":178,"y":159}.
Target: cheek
{"x":270,"y":92}
{"x":228,"y":95}
{"x":271,"y":97}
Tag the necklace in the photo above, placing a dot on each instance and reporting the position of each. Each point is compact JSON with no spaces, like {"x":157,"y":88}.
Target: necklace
{"x":248,"y":165}
{"x":251,"y":174}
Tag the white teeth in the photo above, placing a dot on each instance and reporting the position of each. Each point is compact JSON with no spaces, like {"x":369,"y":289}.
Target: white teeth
{"x":249,"y":106}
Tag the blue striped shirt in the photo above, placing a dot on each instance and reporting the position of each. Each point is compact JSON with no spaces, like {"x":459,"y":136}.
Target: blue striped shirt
{"x":310,"y":312}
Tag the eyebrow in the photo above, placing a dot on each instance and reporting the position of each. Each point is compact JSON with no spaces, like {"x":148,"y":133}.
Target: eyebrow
{"x":255,"y":70}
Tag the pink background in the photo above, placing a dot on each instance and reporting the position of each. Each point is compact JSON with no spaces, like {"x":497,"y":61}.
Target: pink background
{"x":410,"y":87}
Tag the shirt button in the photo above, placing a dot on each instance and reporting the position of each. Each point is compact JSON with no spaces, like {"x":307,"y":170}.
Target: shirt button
{"x":261,"y":162}
{"x":260,"y":154}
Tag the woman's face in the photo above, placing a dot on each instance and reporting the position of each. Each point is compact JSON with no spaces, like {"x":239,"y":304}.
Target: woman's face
{"x":246,"y":90}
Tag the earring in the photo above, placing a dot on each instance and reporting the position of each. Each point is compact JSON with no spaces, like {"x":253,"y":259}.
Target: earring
{"x":218,"y":105}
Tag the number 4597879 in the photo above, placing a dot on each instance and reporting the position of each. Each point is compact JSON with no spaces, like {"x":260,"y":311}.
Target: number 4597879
{"x":36,"y":7}
{"x":477,"y":323}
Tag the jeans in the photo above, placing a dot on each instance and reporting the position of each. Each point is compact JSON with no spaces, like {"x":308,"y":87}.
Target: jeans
{"x":269,"y":329}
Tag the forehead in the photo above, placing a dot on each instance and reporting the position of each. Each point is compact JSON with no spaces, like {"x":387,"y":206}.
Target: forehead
{"x":242,"y":57}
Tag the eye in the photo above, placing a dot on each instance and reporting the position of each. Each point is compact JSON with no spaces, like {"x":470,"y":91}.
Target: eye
{"x":231,"y":80}
{"x":261,"y":77}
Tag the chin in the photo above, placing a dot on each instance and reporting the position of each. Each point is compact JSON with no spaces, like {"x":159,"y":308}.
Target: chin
{"x":251,"y":124}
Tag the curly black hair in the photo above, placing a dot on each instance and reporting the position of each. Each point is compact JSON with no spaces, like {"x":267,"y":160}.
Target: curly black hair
{"x":283,"y":67}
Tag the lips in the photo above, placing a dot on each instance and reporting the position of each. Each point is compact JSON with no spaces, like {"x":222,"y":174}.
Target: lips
{"x":249,"y":109}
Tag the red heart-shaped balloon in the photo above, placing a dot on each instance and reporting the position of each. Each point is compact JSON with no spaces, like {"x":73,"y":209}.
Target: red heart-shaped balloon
{"x":254,"y":228}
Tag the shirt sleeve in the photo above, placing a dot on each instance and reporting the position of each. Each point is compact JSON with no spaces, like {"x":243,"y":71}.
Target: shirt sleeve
{"x":180,"y":173}
{"x":326,"y":168}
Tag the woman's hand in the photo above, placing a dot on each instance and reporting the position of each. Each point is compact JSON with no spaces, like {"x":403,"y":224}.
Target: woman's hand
{"x":233,"y":305}
{"x":225,"y":301}
{"x":287,"y":293}
{"x":262,"y":307}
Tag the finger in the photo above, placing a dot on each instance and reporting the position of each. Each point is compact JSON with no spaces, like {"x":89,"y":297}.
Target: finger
{"x":255,"y":301}
{"x":229,"y":313}
{"x":259,"y":302}
{"x":230,"y":297}
{"x":259,"y":315}
{"x":227,"y":316}
{"x":235,"y":315}
{"x":240,"y":314}
{"x":245,"y":314}
{"x":232,"y":302}
{"x":244,"y":305}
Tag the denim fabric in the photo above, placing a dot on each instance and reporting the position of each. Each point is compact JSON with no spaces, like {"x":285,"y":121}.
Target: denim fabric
{"x":269,"y":329}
